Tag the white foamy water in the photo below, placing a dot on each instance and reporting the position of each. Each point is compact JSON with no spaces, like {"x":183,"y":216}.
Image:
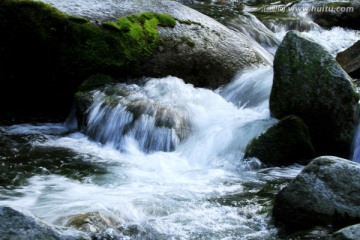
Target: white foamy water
{"x":163,"y":195}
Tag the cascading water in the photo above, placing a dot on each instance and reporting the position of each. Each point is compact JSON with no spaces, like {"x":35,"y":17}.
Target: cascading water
{"x":202,"y":189}
{"x":185,"y":179}
{"x":124,"y":112}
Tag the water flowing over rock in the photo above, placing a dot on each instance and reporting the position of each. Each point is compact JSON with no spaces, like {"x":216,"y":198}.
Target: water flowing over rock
{"x":113,"y":114}
{"x":199,"y":49}
{"x":309,"y":83}
{"x":326,"y":192}
{"x":349,"y":60}
{"x":285,"y":143}
{"x":15,"y":225}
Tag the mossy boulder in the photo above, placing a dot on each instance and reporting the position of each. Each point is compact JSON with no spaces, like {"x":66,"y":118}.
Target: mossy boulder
{"x":338,"y":14}
{"x":285,"y":143}
{"x":309,"y":83}
{"x":45,"y":54}
{"x":198,"y":49}
{"x":349,"y":60}
{"x":325,"y":193}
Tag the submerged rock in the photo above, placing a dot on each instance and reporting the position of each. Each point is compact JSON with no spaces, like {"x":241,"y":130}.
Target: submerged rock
{"x":285,"y":143}
{"x":309,"y":83}
{"x":326,"y":192}
{"x":349,"y":60}
{"x":15,"y":225}
{"x":93,"y":222}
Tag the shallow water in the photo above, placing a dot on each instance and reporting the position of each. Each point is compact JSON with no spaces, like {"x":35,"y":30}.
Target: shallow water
{"x":201,"y":190}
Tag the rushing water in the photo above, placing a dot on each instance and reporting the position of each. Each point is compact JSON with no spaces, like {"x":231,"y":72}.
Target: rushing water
{"x":201,"y":190}
{"x":196,"y":186}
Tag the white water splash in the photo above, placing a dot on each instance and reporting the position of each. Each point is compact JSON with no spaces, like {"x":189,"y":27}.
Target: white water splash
{"x":163,"y":195}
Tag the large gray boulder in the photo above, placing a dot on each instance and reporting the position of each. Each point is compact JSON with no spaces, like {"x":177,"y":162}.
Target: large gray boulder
{"x":309,"y":83}
{"x":326,"y":192}
{"x":16,"y":225}
{"x":199,"y":49}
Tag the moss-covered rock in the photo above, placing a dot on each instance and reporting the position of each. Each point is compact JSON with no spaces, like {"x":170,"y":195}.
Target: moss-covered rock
{"x":309,"y":83}
{"x":285,"y":143}
{"x":96,"y":81}
{"x":45,"y":54}
{"x":199,"y":50}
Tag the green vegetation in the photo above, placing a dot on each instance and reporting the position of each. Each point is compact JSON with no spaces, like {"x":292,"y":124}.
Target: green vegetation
{"x":139,"y":34}
{"x":187,"y":41}
{"x":189,"y":22}
{"x":95,"y":81}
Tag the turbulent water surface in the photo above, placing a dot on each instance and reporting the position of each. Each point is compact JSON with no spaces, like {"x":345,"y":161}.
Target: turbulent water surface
{"x":197,"y":186}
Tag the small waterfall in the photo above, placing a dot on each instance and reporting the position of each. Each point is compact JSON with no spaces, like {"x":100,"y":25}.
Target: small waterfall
{"x":128,"y":114}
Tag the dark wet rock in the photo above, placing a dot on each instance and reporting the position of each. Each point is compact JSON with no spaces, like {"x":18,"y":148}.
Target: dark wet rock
{"x":339,"y":14}
{"x":16,"y":225}
{"x":349,"y":60}
{"x":285,"y":143}
{"x":317,"y":232}
{"x":309,"y":83}
{"x":326,"y":192}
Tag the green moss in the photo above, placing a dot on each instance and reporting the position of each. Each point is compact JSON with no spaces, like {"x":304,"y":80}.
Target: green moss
{"x":187,"y":41}
{"x":166,"y":20}
{"x":139,"y":32}
{"x":189,"y":22}
{"x":77,"y":19}
{"x":95,"y":81}
{"x":338,"y":4}
{"x":123,"y":24}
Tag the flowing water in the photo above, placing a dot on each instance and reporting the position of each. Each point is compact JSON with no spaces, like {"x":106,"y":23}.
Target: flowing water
{"x":191,"y":183}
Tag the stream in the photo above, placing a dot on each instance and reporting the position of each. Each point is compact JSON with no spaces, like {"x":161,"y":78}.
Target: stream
{"x":199,"y":188}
